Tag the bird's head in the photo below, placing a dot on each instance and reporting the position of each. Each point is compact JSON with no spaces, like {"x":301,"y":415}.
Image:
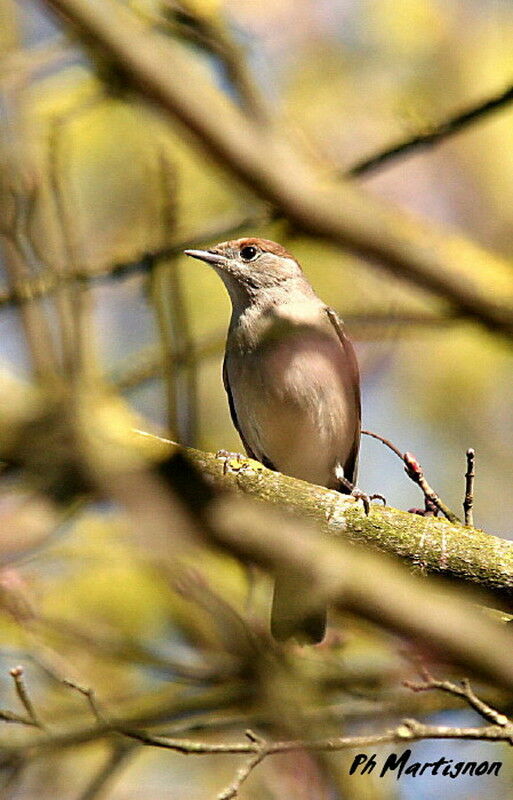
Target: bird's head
{"x":249,"y":266}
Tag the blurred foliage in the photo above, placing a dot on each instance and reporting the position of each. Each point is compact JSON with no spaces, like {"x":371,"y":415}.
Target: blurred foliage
{"x":112,"y":181}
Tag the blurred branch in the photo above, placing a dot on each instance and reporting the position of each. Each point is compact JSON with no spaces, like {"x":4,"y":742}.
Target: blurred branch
{"x":27,"y":289}
{"x":147,"y":364}
{"x":21,"y":64}
{"x":333,"y":567}
{"x":116,"y":761}
{"x":340,"y":213}
{"x":37,"y":332}
{"x":151,"y":710}
{"x":434,"y":544}
{"x":209,"y":33}
{"x":19,"y":181}
{"x":177,"y":363}
{"x":338,"y":572}
{"x":499,"y":729}
{"x":432,"y":134}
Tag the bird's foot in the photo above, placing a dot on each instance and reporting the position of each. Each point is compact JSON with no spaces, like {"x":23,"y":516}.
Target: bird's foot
{"x":367,"y":498}
{"x":236,"y":462}
{"x":231,"y":461}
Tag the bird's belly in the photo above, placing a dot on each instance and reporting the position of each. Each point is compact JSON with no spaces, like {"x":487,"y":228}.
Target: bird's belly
{"x":297,"y":409}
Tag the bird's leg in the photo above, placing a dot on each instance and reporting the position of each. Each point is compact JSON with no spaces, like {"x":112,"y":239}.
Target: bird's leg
{"x":367,"y":498}
{"x":355,"y":492}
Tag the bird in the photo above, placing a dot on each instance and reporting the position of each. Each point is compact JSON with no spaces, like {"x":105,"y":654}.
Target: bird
{"x":293,"y":385}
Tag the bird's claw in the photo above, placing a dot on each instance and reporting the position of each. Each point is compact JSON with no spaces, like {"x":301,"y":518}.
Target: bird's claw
{"x":231,"y":460}
{"x":236,"y":462}
{"x":367,"y":499}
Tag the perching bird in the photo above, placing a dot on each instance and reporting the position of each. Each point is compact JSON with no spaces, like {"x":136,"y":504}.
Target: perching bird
{"x":293,"y":386}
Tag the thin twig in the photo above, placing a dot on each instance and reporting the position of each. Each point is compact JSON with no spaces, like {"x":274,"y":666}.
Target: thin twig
{"x":177,"y":351}
{"x":470,"y":474}
{"x":11,"y":716}
{"x":21,"y":690}
{"x":246,"y":769}
{"x":416,"y":473}
{"x":72,"y":297}
{"x":464,"y":691}
{"x":408,"y":730}
{"x":90,"y":697}
{"x":432,"y":135}
{"x":386,"y":442}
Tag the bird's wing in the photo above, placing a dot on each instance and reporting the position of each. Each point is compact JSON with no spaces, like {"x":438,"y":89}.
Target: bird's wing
{"x":351,"y":464}
{"x":233,"y":412}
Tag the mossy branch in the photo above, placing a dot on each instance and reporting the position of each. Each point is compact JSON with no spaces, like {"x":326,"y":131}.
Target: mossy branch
{"x":430,"y":544}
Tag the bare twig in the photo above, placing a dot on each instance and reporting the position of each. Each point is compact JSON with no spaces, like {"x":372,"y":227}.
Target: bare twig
{"x":72,"y":296}
{"x":11,"y":716}
{"x":21,"y":690}
{"x":386,"y":442}
{"x":164,"y":706}
{"x":432,"y":134}
{"x":90,"y":697}
{"x":408,"y":730}
{"x":416,"y":473}
{"x":470,"y":474}
{"x":246,"y":769}
{"x":499,"y":729}
{"x":464,"y":691}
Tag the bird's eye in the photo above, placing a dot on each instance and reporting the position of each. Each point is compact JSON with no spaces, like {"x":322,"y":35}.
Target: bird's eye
{"x":248,"y":253}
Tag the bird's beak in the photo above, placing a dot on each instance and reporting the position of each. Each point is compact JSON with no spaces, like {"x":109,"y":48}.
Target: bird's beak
{"x":207,"y":255}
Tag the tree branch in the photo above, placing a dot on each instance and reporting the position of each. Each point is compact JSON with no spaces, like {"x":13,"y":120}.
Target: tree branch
{"x":435,"y":545}
{"x":445,"y":264}
{"x":338,"y":572}
{"x":408,"y":730}
{"x":432,"y":134}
